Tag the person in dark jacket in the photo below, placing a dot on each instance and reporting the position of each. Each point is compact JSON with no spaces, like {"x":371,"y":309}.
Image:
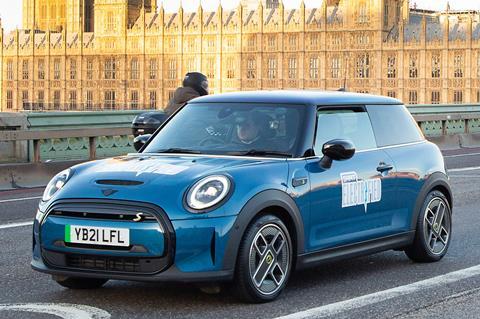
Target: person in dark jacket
{"x":195,"y":85}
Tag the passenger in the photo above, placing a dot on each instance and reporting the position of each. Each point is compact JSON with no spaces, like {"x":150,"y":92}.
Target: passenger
{"x":195,"y":85}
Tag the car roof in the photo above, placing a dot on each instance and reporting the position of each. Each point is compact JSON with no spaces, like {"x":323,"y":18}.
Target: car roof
{"x":301,"y":97}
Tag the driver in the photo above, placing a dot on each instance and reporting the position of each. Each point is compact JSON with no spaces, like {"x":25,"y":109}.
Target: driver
{"x":252,"y":129}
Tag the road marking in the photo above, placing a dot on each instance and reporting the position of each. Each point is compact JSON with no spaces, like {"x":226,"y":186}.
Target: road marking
{"x":15,"y":225}
{"x":62,"y":310}
{"x":19,"y":199}
{"x":465,"y":169}
{"x":366,"y":300}
{"x":465,"y":176}
{"x":461,"y":155}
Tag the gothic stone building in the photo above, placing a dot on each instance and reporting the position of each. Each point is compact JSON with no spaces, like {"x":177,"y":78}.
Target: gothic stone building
{"x":129,"y":54}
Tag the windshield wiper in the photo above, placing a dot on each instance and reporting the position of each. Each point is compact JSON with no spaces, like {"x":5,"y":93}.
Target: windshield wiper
{"x":261,"y":153}
{"x":178,"y":150}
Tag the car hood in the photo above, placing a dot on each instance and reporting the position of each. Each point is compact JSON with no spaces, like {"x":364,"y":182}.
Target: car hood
{"x":163,"y":179}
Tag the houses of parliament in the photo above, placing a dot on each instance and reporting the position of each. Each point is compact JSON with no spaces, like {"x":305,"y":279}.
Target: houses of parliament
{"x":132,"y":54}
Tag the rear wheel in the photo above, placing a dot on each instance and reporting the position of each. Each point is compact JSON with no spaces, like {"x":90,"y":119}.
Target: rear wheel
{"x":80,"y":283}
{"x":264,"y":261}
{"x":434,"y":229}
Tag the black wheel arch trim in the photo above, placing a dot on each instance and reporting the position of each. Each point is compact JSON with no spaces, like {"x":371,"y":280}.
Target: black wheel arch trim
{"x":257,"y":204}
{"x":434,"y":181}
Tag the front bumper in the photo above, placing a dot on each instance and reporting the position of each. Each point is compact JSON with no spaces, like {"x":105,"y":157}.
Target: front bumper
{"x":187,"y":251}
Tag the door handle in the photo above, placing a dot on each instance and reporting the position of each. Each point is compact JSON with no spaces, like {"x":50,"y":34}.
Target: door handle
{"x":297,"y":182}
{"x":383,"y":167}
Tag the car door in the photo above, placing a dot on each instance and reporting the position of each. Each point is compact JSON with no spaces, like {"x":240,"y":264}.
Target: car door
{"x":350,"y":200}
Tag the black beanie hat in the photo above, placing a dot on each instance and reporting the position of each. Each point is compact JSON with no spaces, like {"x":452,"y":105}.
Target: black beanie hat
{"x":196,"y":81}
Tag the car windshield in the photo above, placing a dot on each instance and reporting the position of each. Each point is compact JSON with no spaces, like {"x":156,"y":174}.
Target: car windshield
{"x":231,"y":129}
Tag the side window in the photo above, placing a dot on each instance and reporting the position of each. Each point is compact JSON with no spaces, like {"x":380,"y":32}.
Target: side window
{"x":394,"y":125}
{"x":351,"y":124}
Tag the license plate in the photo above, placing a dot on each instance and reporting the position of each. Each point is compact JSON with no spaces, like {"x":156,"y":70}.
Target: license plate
{"x":97,"y":236}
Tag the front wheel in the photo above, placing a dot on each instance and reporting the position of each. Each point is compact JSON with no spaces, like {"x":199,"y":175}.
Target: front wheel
{"x":264,"y":260}
{"x":434,"y":230}
{"x":80,"y":283}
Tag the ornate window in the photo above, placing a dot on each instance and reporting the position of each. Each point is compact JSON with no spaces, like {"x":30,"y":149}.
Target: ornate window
{"x":153,"y":67}
{"x":336,"y":67}
{"x":458,"y":97}
{"x":134,"y":100}
{"x":72,"y":100}
{"x":25,"y":71}
{"x":110,"y":100}
{"x":73,"y":69}
{"x":57,"y":72}
{"x":172,"y":69}
{"x":57,"y":99}
{"x":110,"y":24}
{"x":211,"y":67}
{"x":292,"y":42}
{"x":272,"y":68}
{"x":363,"y":66}
{"x":292,"y":68}
{"x":153,"y":100}
{"x":251,"y":68}
{"x":230,"y":68}
{"x":314,"y":40}
{"x":314,"y":68}
{"x":41,"y":69}
{"x":10,"y":70}
{"x":412,"y":97}
{"x":362,"y":16}
{"x":272,"y":42}
{"x":413,"y":66}
{"x":25,"y":100}
{"x":478,"y":64}
{"x":89,"y":69}
{"x":89,"y":104}
{"x":110,"y":69}
{"x":9,"y":99}
{"x":40,"y":100}
{"x":391,"y":67}
{"x":458,"y":65}
{"x":436,"y":65}
{"x":134,"y":69}
{"x":392,"y":94}
{"x":251,"y":43}
{"x":435,"y":97}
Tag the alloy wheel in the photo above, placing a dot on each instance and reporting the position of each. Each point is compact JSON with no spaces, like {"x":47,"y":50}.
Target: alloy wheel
{"x":437,"y":226}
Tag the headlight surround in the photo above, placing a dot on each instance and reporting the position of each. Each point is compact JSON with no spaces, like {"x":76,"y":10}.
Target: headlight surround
{"x":208,"y":192}
{"x":56,"y":184}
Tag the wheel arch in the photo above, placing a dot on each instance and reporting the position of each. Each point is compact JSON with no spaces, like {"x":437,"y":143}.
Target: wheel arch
{"x":274,"y":202}
{"x":437,"y":181}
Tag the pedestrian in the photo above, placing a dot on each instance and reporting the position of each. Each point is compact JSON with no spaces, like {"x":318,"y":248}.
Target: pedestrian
{"x":195,"y":85}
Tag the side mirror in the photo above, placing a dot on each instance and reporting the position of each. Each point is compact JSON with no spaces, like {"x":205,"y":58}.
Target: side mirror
{"x":336,"y":150}
{"x":140,"y":141}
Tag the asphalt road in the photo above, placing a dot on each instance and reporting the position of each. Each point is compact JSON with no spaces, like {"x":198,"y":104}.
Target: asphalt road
{"x":385,"y":285}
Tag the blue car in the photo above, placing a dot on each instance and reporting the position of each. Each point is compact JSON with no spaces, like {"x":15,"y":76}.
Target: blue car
{"x":246,"y":188}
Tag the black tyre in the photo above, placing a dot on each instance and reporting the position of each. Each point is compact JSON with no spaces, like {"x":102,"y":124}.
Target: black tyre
{"x":434,"y":230}
{"x":264,"y":260}
{"x":80,"y":283}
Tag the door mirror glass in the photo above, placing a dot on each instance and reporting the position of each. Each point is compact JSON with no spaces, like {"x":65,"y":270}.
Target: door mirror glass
{"x":140,"y":141}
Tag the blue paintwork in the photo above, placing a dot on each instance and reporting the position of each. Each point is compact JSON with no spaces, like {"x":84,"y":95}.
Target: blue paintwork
{"x":326,"y":223}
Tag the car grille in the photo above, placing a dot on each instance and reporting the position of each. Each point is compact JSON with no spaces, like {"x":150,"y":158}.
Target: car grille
{"x":115,"y":211}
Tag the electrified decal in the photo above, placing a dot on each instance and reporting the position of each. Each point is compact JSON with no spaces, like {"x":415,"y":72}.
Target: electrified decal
{"x":360,"y":192}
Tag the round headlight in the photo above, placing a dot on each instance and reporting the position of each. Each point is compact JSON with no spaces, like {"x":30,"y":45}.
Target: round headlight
{"x":56,"y":184}
{"x":208,"y":192}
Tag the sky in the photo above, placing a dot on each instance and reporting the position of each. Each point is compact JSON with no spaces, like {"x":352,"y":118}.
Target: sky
{"x":11,"y":10}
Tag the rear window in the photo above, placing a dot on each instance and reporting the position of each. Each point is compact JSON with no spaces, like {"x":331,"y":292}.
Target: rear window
{"x":393,"y":125}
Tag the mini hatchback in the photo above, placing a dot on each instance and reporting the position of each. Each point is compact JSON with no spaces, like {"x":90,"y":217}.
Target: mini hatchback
{"x":246,"y":188}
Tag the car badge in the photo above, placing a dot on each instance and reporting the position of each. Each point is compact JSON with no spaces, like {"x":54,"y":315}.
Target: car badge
{"x":269,"y":259}
{"x":138,"y":217}
{"x":109,"y":192}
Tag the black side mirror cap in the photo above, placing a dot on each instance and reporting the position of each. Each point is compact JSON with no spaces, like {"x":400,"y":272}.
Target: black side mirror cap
{"x":140,"y":141}
{"x":336,"y":150}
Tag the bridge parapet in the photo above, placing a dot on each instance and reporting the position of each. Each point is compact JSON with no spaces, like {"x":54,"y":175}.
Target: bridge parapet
{"x":61,"y":136}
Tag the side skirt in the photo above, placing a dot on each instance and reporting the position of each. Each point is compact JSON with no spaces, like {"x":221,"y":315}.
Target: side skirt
{"x":355,"y":250}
